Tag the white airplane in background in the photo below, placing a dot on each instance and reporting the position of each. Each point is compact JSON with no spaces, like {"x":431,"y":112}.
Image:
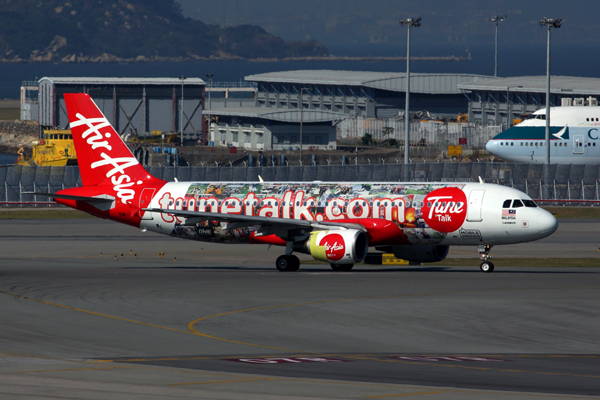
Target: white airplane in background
{"x":574,"y":137}
{"x":333,"y":222}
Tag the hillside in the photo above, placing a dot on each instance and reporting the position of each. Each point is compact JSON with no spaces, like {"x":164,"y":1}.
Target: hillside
{"x":133,"y":30}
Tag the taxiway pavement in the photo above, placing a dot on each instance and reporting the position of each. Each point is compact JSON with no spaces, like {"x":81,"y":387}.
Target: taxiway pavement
{"x":214,"y":321}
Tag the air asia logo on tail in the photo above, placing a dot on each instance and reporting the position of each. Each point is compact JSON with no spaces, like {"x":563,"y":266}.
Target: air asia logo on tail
{"x":445,"y":209}
{"x":335,"y":247}
{"x":121,"y":181}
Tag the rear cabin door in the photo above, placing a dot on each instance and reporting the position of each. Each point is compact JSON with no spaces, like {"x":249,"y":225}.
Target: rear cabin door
{"x":474,"y":206}
{"x":145,"y":199}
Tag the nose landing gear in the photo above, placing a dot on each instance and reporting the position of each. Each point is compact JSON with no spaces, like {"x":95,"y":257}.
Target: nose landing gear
{"x":484,"y":251}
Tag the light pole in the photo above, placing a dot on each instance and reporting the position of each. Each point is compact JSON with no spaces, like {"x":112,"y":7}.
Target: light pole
{"x":550,"y":23}
{"x":301,"y":119}
{"x":210,"y":78}
{"x":496,"y":19}
{"x":409,"y":22}
{"x":183,"y":78}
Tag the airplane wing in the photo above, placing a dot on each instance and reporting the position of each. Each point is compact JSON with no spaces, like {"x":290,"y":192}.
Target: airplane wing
{"x":282,"y":227}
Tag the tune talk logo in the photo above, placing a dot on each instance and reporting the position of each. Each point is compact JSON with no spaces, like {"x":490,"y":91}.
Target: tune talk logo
{"x":445,"y":209}
{"x":335,"y":248}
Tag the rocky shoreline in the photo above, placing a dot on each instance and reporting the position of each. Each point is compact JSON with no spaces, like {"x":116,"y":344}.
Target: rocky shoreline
{"x":106,"y":58}
{"x":17,"y":134}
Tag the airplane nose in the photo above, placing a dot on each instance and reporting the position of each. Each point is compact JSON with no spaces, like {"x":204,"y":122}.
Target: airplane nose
{"x":491,"y":146}
{"x":547,"y":224}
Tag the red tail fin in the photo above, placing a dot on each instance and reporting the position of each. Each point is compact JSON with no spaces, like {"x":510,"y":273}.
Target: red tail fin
{"x":102,"y":156}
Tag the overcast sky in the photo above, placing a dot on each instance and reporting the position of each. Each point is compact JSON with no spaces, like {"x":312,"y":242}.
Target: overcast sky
{"x":339,"y":22}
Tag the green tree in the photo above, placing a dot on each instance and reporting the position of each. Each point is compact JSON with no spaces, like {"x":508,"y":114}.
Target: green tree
{"x":367,"y":139}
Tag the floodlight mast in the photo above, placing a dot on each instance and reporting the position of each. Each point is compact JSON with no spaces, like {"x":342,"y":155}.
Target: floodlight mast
{"x":495,"y":19}
{"x":409,"y":22}
{"x":550,"y":23}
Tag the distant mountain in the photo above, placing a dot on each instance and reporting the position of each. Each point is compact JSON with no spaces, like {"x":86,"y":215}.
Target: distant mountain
{"x":355,"y":22}
{"x":133,"y":30}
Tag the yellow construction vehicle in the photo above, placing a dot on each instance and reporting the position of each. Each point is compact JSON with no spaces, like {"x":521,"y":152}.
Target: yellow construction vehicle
{"x":55,"y":148}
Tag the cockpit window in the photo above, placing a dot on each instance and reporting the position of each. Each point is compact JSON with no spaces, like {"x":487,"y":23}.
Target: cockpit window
{"x":537,"y":116}
{"x":506,"y":204}
{"x":529,"y":203}
{"x":517,"y":203}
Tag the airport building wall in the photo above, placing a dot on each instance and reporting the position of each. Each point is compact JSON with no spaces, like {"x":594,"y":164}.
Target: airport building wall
{"x":422,"y":133}
{"x":503,"y":101}
{"x":568,"y":182}
{"x":134,"y":106}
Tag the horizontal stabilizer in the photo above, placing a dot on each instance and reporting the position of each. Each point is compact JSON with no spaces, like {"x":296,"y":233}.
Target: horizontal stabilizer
{"x":103,"y":202}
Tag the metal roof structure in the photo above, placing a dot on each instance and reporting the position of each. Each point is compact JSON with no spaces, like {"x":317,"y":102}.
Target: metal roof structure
{"x":564,"y":85}
{"x":391,"y":81}
{"x":133,"y":105}
{"x":121,"y":81}
{"x":278,"y":114}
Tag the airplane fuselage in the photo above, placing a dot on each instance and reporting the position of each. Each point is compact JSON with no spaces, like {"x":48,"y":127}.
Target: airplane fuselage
{"x":480,"y":219}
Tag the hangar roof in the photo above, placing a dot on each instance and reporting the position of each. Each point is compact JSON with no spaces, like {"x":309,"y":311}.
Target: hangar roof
{"x":391,"y":81}
{"x":121,"y":81}
{"x":565,"y":85}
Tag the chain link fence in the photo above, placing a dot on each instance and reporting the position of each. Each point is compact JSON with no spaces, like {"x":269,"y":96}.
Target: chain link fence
{"x":573,"y":183}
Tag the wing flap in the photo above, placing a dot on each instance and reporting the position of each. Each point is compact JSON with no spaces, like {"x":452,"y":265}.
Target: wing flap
{"x":268,"y":225}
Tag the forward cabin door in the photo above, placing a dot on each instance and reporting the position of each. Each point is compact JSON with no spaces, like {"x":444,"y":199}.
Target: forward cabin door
{"x":145,"y":199}
{"x":474,"y":206}
{"x":578,"y":144}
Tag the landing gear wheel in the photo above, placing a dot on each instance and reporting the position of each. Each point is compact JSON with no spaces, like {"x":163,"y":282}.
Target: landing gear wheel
{"x":287,"y":263}
{"x":341,"y":267}
{"x":295,"y":263}
{"x":487,"y":266}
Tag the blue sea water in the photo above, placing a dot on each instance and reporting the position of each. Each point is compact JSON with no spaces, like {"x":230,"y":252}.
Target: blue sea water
{"x":514,"y":60}
{"x":7,"y":159}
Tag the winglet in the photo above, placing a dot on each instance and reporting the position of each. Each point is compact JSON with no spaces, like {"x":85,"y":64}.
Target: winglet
{"x":260,"y":179}
{"x":481,"y":180}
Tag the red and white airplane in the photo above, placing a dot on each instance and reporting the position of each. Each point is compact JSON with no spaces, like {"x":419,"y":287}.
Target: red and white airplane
{"x":333,"y":222}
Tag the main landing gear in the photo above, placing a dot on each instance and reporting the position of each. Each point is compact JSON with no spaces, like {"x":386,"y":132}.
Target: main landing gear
{"x":341,"y":267}
{"x":484,"y":251}
{"x":288,"y":262}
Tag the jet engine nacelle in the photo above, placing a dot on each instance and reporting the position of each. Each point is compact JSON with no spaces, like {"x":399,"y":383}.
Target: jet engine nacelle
{"x":420,"y":252}
{"x":337,"y":247}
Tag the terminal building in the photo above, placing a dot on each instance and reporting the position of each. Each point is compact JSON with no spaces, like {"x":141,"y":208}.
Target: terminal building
{"x":320,"y":99}
{"x":507,"y":100}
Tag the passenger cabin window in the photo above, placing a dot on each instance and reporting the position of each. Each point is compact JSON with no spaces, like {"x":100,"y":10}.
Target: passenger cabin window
{"x":517,"y":203}
{"x":529,"y":203}
{"x":506,"y":204}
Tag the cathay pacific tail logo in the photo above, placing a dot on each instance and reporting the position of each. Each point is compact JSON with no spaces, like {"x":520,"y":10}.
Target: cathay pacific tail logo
{"x":121,"y":181}
{"x":561,"y":134}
